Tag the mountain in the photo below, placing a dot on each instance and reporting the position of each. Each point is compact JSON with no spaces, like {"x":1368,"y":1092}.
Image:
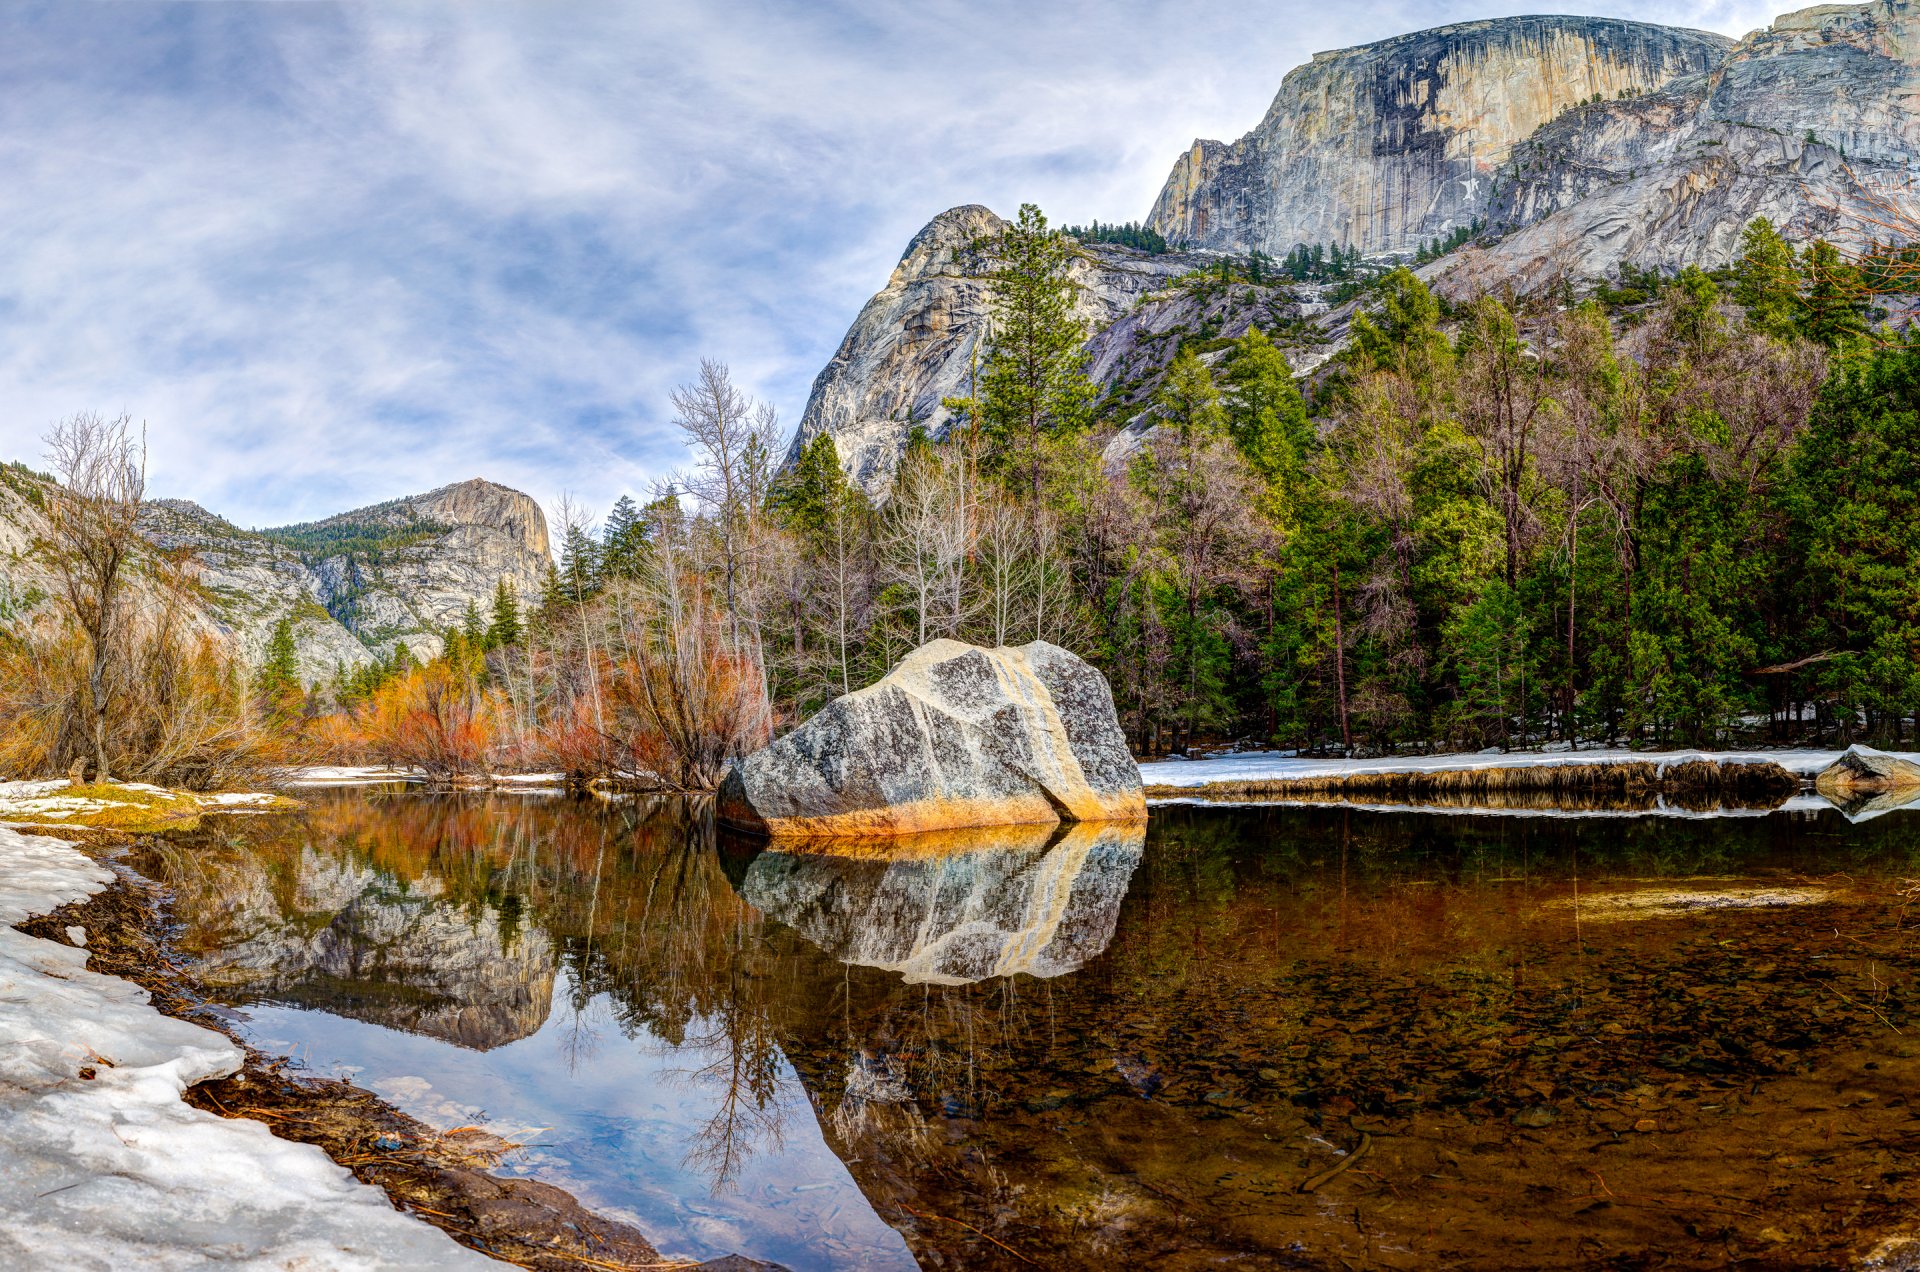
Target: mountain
{"x":354,"y":585}
{"x":1389,"y":145}
{"x":1565,"y":147}
{"x":1813,"y":123}
{"x":918,"y":340}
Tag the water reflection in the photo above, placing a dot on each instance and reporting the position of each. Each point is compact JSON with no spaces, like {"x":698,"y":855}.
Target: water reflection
{"x":1094,"y":1049}
{"x":953,"y":910}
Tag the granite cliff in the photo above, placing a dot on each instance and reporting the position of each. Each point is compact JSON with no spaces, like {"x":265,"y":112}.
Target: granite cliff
{"x":1388,"y":145}
{"x":1813,"y":122}
{"x":917,"y":340}
{"x":353,"y":585}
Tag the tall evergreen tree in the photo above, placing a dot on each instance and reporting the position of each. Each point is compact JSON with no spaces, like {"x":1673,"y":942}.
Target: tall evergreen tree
{"x":1833,"y":303}
{"x":1766,"y":279}
{"x":504,"y":627}
{"x":280,"y":671}
{"x":1035,"y":382}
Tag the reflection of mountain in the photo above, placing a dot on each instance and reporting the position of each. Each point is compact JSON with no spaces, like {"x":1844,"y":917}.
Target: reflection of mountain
{"x":951,"y":918}
{"x":355,"y":941}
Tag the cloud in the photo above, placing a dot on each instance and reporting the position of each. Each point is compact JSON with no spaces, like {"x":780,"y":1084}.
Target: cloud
{"x":336,"y":254}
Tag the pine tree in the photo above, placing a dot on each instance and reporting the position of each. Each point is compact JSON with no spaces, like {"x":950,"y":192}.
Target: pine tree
{"x":623,"y":541}
{"x":504,"y":629}
{"x":1767,"y":283}
{"x":280,"y":672}
{"x":473,"y":627}
{"x":805,"y":495}
{"x":1832,"y":307}
{"x":579,"y":565}
{"x":1035,"y":381}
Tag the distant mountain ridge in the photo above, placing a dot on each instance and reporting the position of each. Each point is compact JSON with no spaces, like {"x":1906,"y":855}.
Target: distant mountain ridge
{"x":354,"y":585}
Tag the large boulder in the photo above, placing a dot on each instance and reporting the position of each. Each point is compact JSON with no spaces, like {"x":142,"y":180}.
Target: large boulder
{"x":954,"y":736}
{"x":1861,"y":769}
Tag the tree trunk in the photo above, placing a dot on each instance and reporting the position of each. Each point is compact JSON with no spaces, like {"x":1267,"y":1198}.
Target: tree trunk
{"x":1340,"y":661}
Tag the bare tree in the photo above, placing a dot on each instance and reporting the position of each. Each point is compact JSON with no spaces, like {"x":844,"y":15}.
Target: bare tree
{"x":92,"y":533}
{"x":926,"y":541}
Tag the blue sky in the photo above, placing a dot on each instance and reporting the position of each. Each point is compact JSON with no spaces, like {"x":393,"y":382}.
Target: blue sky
{"x":333,"y":254}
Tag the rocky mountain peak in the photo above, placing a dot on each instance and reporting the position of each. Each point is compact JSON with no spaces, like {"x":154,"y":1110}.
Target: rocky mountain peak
{"x":1390,"y":144}
{"x":478,"y":502}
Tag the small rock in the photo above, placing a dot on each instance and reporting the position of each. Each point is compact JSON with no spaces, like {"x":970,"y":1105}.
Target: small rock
{"x":1535,"y":1116}
{"x":1646,"y":1124}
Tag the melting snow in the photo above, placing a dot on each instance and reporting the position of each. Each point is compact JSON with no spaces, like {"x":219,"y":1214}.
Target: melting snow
{"x":1269,"y":766}
{"x":117,"y":1171}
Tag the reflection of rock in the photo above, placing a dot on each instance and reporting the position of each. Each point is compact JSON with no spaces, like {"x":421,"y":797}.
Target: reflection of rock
{"x":351,"y":941}
{"x":954,"y":736}
{"x":1018,"y":906}
{"x":1863,"y":770}
{"x":1862,"y":806}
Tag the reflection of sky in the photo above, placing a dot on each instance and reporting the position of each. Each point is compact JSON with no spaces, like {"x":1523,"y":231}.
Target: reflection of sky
{"x":617,"y":1117}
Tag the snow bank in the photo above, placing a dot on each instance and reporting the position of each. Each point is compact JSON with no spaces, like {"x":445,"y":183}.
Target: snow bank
{"x":1275,"y":766}
{"x":117,"y":1171}
{"x":1660,"y":808}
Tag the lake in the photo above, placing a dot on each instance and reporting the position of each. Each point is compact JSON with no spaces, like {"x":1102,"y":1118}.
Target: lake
{"x":1480,"y":1040}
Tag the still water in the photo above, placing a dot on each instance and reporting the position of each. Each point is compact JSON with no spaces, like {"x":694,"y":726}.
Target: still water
{"x":1531,"y":1041}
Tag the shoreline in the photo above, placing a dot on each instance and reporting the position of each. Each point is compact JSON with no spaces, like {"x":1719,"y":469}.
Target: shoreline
{"x":1570,"y":781}
{"x":435,"y":1184}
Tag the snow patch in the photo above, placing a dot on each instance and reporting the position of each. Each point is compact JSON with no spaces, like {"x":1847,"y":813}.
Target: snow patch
{"x":115,"y":1170}
{"x":1271,"y":766}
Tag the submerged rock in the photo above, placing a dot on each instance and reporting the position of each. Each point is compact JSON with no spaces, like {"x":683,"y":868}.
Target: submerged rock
{"x":1862,"y":769}
{"x":955,"y":736}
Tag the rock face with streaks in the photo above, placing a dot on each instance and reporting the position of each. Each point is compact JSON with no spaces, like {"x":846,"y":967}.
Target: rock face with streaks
{"x":352,"y":940}
{"x":405,"y":570}
{"x":955,"y":736}
{"x":1813,"y":123}
{"x":1388,"y":145}
{"x":1025,"y":902}
{"x":917,"y":341}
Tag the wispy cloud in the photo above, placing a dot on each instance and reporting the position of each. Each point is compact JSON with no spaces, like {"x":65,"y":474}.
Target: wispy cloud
{"x":338,"y":253}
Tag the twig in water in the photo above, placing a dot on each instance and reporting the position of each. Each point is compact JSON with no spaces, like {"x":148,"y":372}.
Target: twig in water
{"x":1332,"y":1172}
{"x":970,"y":1228}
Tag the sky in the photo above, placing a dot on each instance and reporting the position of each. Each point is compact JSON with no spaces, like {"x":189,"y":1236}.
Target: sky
{"x":334,"y":254}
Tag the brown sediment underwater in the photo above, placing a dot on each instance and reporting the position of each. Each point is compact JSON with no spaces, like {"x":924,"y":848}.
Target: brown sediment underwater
{"x":1622,"y":785}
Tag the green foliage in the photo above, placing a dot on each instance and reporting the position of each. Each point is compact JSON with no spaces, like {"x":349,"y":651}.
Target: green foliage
{"x":1833,"y":304}
{"x":503,"y":627}
{"x":367,"y":541}
{"x":1854,"y":541}
{"x":623,"y":541}
{"x":807,"y":494}
{"x":1767,"y":282}
{"x":1140,"y":237}
{"x":1452,"y":241}
{"x":1320,"y":263}
{"x":1034,"y":386}
{"x":280,"y":670}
